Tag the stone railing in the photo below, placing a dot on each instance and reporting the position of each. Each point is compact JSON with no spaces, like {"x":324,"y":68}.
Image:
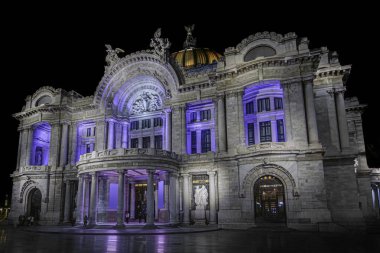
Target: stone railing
{"x":33,"y":168}
{"x":209,"y":156}
{"x":130,"y":152}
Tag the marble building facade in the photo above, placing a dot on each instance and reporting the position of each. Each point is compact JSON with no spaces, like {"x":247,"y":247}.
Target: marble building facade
{"x":260,"y":134}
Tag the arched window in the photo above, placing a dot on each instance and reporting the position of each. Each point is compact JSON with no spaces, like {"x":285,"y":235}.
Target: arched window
{"x":259,"y":51}
{"x":41,"y":144}
{"x":44,"y":100}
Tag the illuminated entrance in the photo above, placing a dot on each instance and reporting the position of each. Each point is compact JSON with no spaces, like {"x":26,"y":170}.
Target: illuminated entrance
{"x":269,"y":200}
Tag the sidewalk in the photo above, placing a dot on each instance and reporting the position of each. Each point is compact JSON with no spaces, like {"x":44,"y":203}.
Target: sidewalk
{"x":130,"y":229}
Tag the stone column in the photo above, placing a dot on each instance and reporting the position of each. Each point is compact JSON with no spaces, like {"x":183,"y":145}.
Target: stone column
{"x":86,"y":193}
{"x":93,"y":199}
{"x":156,"y":200}
{"x":20,"y":140}
{"x":166,"y":191}
{"x":312,"y":129}
{"x":186,"y":199}
{"x":168,"y":129}
{"x":239,"y":102}
{"x":67,"y":202}
{"x":132,"y":200}
{"x":212,"y":197}
{"x":73,"y":143}
{"x":124,"y":143}
{"x":173,"y":198}
{"x":120,"y":200}
{"x":54,"y":144}
{"x":150,"y":199}
{"x":79,"y":210}
{"x":342,"y":120}
{"x":183,"y":129}
{"x":64,"y":146}
{"x":221,"y":124}
{"x":100,"y":135}
{"x":110,"y":139}
{"x":29,"y":146}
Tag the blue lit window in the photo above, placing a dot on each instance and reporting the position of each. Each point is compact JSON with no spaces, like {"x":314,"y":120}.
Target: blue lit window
{"x":278,"y":103}
{"x":206,"y":114}
{"x":134,"y":143}
{"x":158,"y":142}
{"x":263,"y":104}
{"x":265,"y":131}
{"x":193,"y":142}
{"x":251,"y":134}
{"x":193,"y":117}
{"x":157,"y":122}
{"x":146,"y":142}
{"x":249,"y":108}
{"x":134,"y":125}
{"x":206,"y":140}
{"x":145,"y":123}
{"x":280,"y":131}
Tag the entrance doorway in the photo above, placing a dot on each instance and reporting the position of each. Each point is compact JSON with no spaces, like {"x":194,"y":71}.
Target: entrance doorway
{"x":34,"y":204}
{"x":269,"y":200}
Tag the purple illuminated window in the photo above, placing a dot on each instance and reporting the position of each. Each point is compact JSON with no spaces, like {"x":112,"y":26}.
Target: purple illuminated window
{"x":157,"y":122}
{"x":205,"y":115}
{"x":88,"y":131}
{"x":206,"y":140}
{"x":134,"y":125}
{"x":88,"y":148}
{"x":265,"y":131}
{"x":145,"y":123}
{"x":263,"y":104}
{"x":158,"y":142}
{"x":134,"y":143}
{"x":277,"y":103}
{"x":146,"y":142}
{"x":251,"y":134}
{"x":249,"y":108}
{"x":280,"y":131}
{"x":94,"y":131}
{"x":193,"y":117}
{"x":193,"y":142}
{"x":40,"y":146}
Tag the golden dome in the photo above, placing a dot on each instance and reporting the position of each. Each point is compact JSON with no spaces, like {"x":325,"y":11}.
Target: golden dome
{"x":192,"y":57}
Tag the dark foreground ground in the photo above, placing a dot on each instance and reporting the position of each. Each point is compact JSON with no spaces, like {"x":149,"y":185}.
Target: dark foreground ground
{"x":235,"y":241}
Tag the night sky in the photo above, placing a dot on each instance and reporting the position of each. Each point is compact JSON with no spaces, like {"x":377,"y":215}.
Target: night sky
{"x":67,"y":51}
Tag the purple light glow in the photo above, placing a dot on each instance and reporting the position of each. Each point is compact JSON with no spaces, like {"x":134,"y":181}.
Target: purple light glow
{"x":85,"y":142}
{"x":113,"y":196}
{"x":198,"y":125}
{"x":161,"y":194}
{"x":39,"y":153}
{"x":254,"y":92}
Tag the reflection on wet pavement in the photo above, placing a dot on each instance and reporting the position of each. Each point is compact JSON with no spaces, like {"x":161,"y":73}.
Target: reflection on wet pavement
{"x":254,"y":240}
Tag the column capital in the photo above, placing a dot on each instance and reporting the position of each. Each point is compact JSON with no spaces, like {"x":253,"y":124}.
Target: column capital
{"x":185,"y":174}
{"x":167,"y":110}
{"x":93,"y":173}
{"x":211,"y":173}
{"x":121,"y":172}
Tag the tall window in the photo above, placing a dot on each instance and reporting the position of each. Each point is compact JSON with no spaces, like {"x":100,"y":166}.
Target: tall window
{"x":134,"y":125}
{"x":94,"y":131}
{"x":88,"y":132}
{"x":280,"y":131}
{"x":88,"y":148}
{"x":145,"y":123}
{"x":249,"y":108}
{"x":146,"y":142}
{"x":158,"y":142}
{"x":251,"y":134}
{"x":206,"y":140}
{"x":277,"y":103}
{"x":193,"y":142}
{"x":38,"y":156}
{"x":206,"y":114}
{"x":135,"y":143}
{"x":263,"y":104}
{"x":265,"y":131}
{"x":157,"y":122}
{"x":193,"y":117}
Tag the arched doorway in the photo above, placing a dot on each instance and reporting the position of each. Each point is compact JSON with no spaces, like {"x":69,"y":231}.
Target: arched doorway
{"x":34,"y":204}
{"x":269,"y":200}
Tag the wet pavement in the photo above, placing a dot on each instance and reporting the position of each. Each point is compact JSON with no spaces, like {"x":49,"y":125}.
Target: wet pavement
{"x":39,"y":239}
